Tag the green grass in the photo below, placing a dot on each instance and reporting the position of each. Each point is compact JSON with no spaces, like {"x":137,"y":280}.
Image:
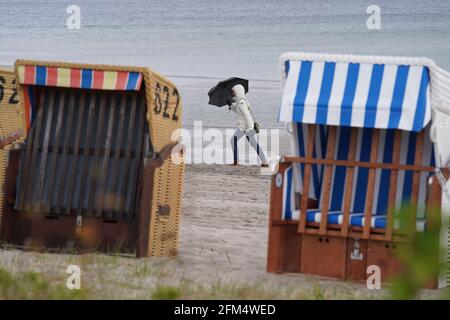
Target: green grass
{"x":117,"y":277}
{"x":219,"y":289}
{"x":165,"y":293}
{"x":31,"y":285}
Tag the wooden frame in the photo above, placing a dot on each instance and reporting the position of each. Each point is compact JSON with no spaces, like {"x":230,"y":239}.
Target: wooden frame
{"x":395,"y":166}
{"x":329,"y":249}
{"x":283,"y":251}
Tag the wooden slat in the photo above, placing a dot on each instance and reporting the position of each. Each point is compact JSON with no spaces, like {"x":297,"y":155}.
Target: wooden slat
{"x":417,"y":162}
{"x":142,"y":148}
{"x":325,"y":201}
{"x":85,"y":159}
{"x":116,"y":160}
{"x":71,"y":139}
{"x":29,"y":184}
{"x":144,"y":216}
{"x":434,"y":202}
{"x":377,"y":234}
{"x":97,"y":153}
{"x":393,"y":186}
{"x":65,"y":151}
{"x":61,"y":109}
{"x":348,"y":191}
{"x":122,"y":189}
{"x":101,"y":191}
{"x":306,"y":178}
{"x":354,"y":232}
{"x":44,"y":154}
{"x":361,"y":164}
{"x":72,"y":174}
{"x":416,"y":180}
{"x":25,"y":168}
{"x":371,"y":184}
{"x":140,"y":174}
{"x":435,"y":223}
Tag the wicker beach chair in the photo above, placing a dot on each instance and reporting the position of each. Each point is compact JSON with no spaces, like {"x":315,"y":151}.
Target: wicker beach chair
{"x":95,"y":171}
{"x":10,"y":120}
{"x":362,"y":133}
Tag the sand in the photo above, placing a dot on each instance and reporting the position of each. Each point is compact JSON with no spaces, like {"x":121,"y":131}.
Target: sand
{"x":222,"y":252}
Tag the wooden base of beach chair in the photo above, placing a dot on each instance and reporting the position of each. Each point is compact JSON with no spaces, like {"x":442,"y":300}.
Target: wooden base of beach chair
{"x":144,"y":236}
{"x":334,"y":256}
{"x":323,"y":256}
{"x":44,"y":232}
{"x":346,"y":258}
{"x":356,"y":260}
{"x":284,"y":240}
{"x":57,"y":231}
{"x":284,"y":249}
{"x":384,"y":255}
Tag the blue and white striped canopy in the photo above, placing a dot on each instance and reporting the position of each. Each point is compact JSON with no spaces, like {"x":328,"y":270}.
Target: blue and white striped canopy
{"x":357,"y":94}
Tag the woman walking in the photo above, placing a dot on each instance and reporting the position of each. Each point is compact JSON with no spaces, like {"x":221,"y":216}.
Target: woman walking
{"x":245,"y":124}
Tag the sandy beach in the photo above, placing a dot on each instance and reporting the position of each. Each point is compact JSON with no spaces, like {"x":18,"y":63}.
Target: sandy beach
{"x":222,"y":253}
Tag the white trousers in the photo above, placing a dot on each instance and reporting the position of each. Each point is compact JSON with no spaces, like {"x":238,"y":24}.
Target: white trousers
{"x":250,"y":135}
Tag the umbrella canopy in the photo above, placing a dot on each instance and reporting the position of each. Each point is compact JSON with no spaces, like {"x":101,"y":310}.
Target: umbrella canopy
{"x":220,"y":94}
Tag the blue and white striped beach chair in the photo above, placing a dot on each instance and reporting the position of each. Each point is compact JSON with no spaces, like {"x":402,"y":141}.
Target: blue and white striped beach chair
{"x":362,"y":131}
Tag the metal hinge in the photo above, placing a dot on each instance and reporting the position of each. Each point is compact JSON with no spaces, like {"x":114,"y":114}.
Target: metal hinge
{"x":356,"y":254}
{"x":79,"y":223}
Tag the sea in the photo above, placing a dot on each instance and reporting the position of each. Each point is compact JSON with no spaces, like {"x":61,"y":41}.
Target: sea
{"x":199,"y":42}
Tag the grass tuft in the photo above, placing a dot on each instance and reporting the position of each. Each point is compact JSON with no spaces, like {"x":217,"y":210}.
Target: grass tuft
{"x":166,"y":293}
{"x":31,"y":285}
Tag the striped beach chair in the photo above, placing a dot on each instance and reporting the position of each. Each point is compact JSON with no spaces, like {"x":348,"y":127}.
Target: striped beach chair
{"x":95,"y":171}
{"x":362,"y":132}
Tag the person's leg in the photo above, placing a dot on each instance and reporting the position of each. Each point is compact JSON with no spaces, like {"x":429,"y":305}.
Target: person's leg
{"x":252,"y":140}
{"x":234,"y":140}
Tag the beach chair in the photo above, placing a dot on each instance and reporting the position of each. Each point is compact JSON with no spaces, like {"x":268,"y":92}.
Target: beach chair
{"x":368,"y":138}
{"x":95,"y":171}
{"x":10,"y":120}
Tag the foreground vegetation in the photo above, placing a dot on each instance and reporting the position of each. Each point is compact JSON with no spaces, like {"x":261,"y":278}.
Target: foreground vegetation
{"x":32,"y":275}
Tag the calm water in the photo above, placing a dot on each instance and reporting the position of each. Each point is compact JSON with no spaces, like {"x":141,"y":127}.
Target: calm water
{"x":195,"y":42}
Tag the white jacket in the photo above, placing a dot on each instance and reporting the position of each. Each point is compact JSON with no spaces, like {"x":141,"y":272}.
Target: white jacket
{"x":241,"y":106}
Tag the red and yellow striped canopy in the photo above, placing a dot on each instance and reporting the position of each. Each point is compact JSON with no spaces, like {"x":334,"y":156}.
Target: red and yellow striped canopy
{"x":79,"y":78}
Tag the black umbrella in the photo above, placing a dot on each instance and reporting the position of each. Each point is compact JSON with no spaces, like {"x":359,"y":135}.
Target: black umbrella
{"x":220,"y":95}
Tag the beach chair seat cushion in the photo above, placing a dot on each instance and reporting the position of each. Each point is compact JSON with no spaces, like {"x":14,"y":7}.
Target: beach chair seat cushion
{"x":355,"y":219}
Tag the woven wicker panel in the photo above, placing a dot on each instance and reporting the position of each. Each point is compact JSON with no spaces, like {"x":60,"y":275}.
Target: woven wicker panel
{"x":10,"y":119}
{"x":164,"y":116}
{"x":164,"y":113}
{"x":164,"y":229}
